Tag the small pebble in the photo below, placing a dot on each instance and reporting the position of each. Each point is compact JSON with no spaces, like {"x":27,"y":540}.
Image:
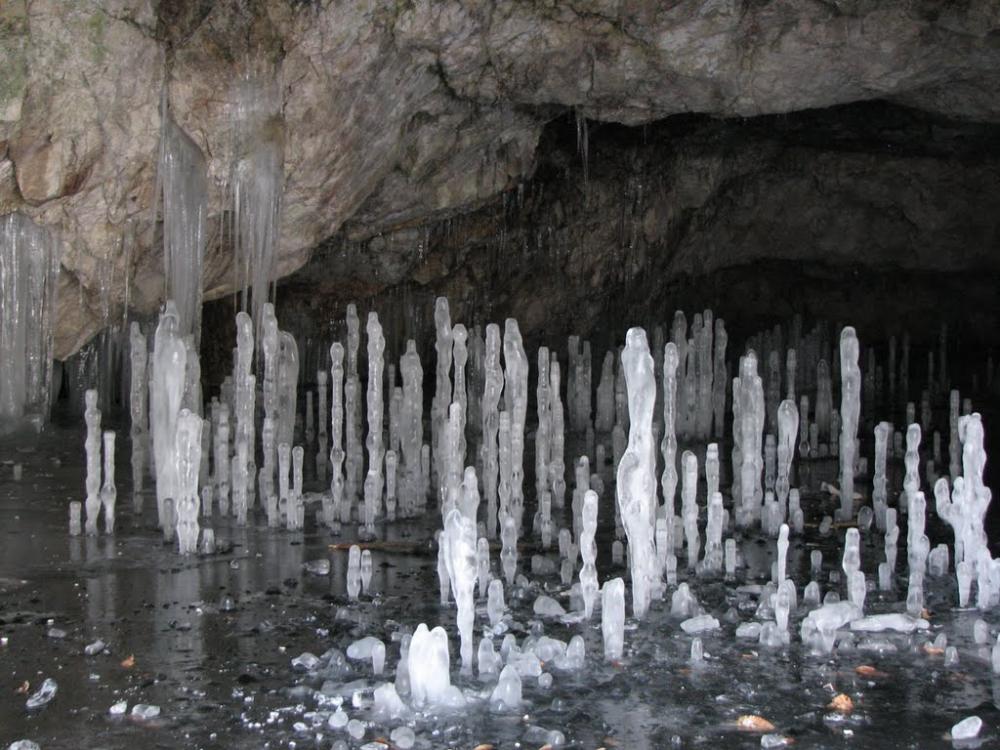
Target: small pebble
{"x":119,"y":708}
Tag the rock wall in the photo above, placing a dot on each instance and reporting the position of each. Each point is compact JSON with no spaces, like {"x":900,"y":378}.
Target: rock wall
{"x":401,"y":112}
{"x":873,"y":213}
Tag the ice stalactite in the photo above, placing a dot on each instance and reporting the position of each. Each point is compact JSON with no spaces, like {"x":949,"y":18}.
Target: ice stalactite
{"x":182,"y":178}
{"x":256,"y":185}
{"x":636,"y":485}
{"x":29,"y":270}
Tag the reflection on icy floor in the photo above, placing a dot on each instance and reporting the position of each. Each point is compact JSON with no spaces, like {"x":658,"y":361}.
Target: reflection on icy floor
{"x":213,"y":638}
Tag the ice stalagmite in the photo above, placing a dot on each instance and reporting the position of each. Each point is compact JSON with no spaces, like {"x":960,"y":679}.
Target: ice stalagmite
{"x":508,"y":553}
{"x":428,"y":667}
{"x":588,"y":551}
{"x":341,"y":504}
{"x":442,"y":382}
{"x":245,"y":396}
{"x":879,"y":494}
{"x":748,"y":431}
{"x":557,"y":437}
{"x":376,"y":450}
{"x":824,"y":398}
{"x":240,"y":483}
{"x":29,"y":271}
{"x":613,"y":617}
{"x":668,"y":445}
{"x":689,"y":506}
{"x":166,"y":391}
{"x":353,"y":446}
{"x":911,"y":481}
{"x":188,"y":458}
{"x":269,"y":345}
{"x":491,"y":424}
{"x":788,"y":426}
{"x":182,"y":176}
{"x":256,"y":184}
{"x":636,"y":485}
{"x":605,"y":418}
{"x":704,"y":383}
{"x":288,"y":379}
{"x":109,"y":493}
{"x":92,"y":447}
{"x":223,"y":475}
{"x":506,"y":468}
{"x":411,"y":429}
{"x":516,"y":402}
{"x":459,"y":540}
{"x":720,"y":382}
{"x":964,"y":508}
{"x":138,"y":404}
{"x":460,"y":356}
{"x":850,"y":410}
{"x":543,"y":432}
{"x":713,"y":561}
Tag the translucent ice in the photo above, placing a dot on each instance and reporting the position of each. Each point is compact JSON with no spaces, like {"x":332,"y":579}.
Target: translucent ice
{"x":699,"y":624}
{"x":636,"y":484}
{"x":613,"y":618}
{"x":459,"y":541}
{"x":967,"y":729}
{"x":850,"y":409}
{"x":428,"y":667}
{"x":507,"y":692}
{"x":44,"y":695}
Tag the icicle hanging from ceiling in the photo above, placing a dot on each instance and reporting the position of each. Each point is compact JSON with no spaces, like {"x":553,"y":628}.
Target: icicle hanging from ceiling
{"x":183,"y":184}
{"x":256,"y":184}
{"x":29,"y":271}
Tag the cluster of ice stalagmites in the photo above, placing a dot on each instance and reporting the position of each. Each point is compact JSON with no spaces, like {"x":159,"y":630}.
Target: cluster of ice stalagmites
{"x":479,"y":422}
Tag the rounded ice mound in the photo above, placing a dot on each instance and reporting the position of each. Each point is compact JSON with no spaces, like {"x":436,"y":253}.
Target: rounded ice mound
{"x":967,"y":729}
{"x":546,"y":606}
